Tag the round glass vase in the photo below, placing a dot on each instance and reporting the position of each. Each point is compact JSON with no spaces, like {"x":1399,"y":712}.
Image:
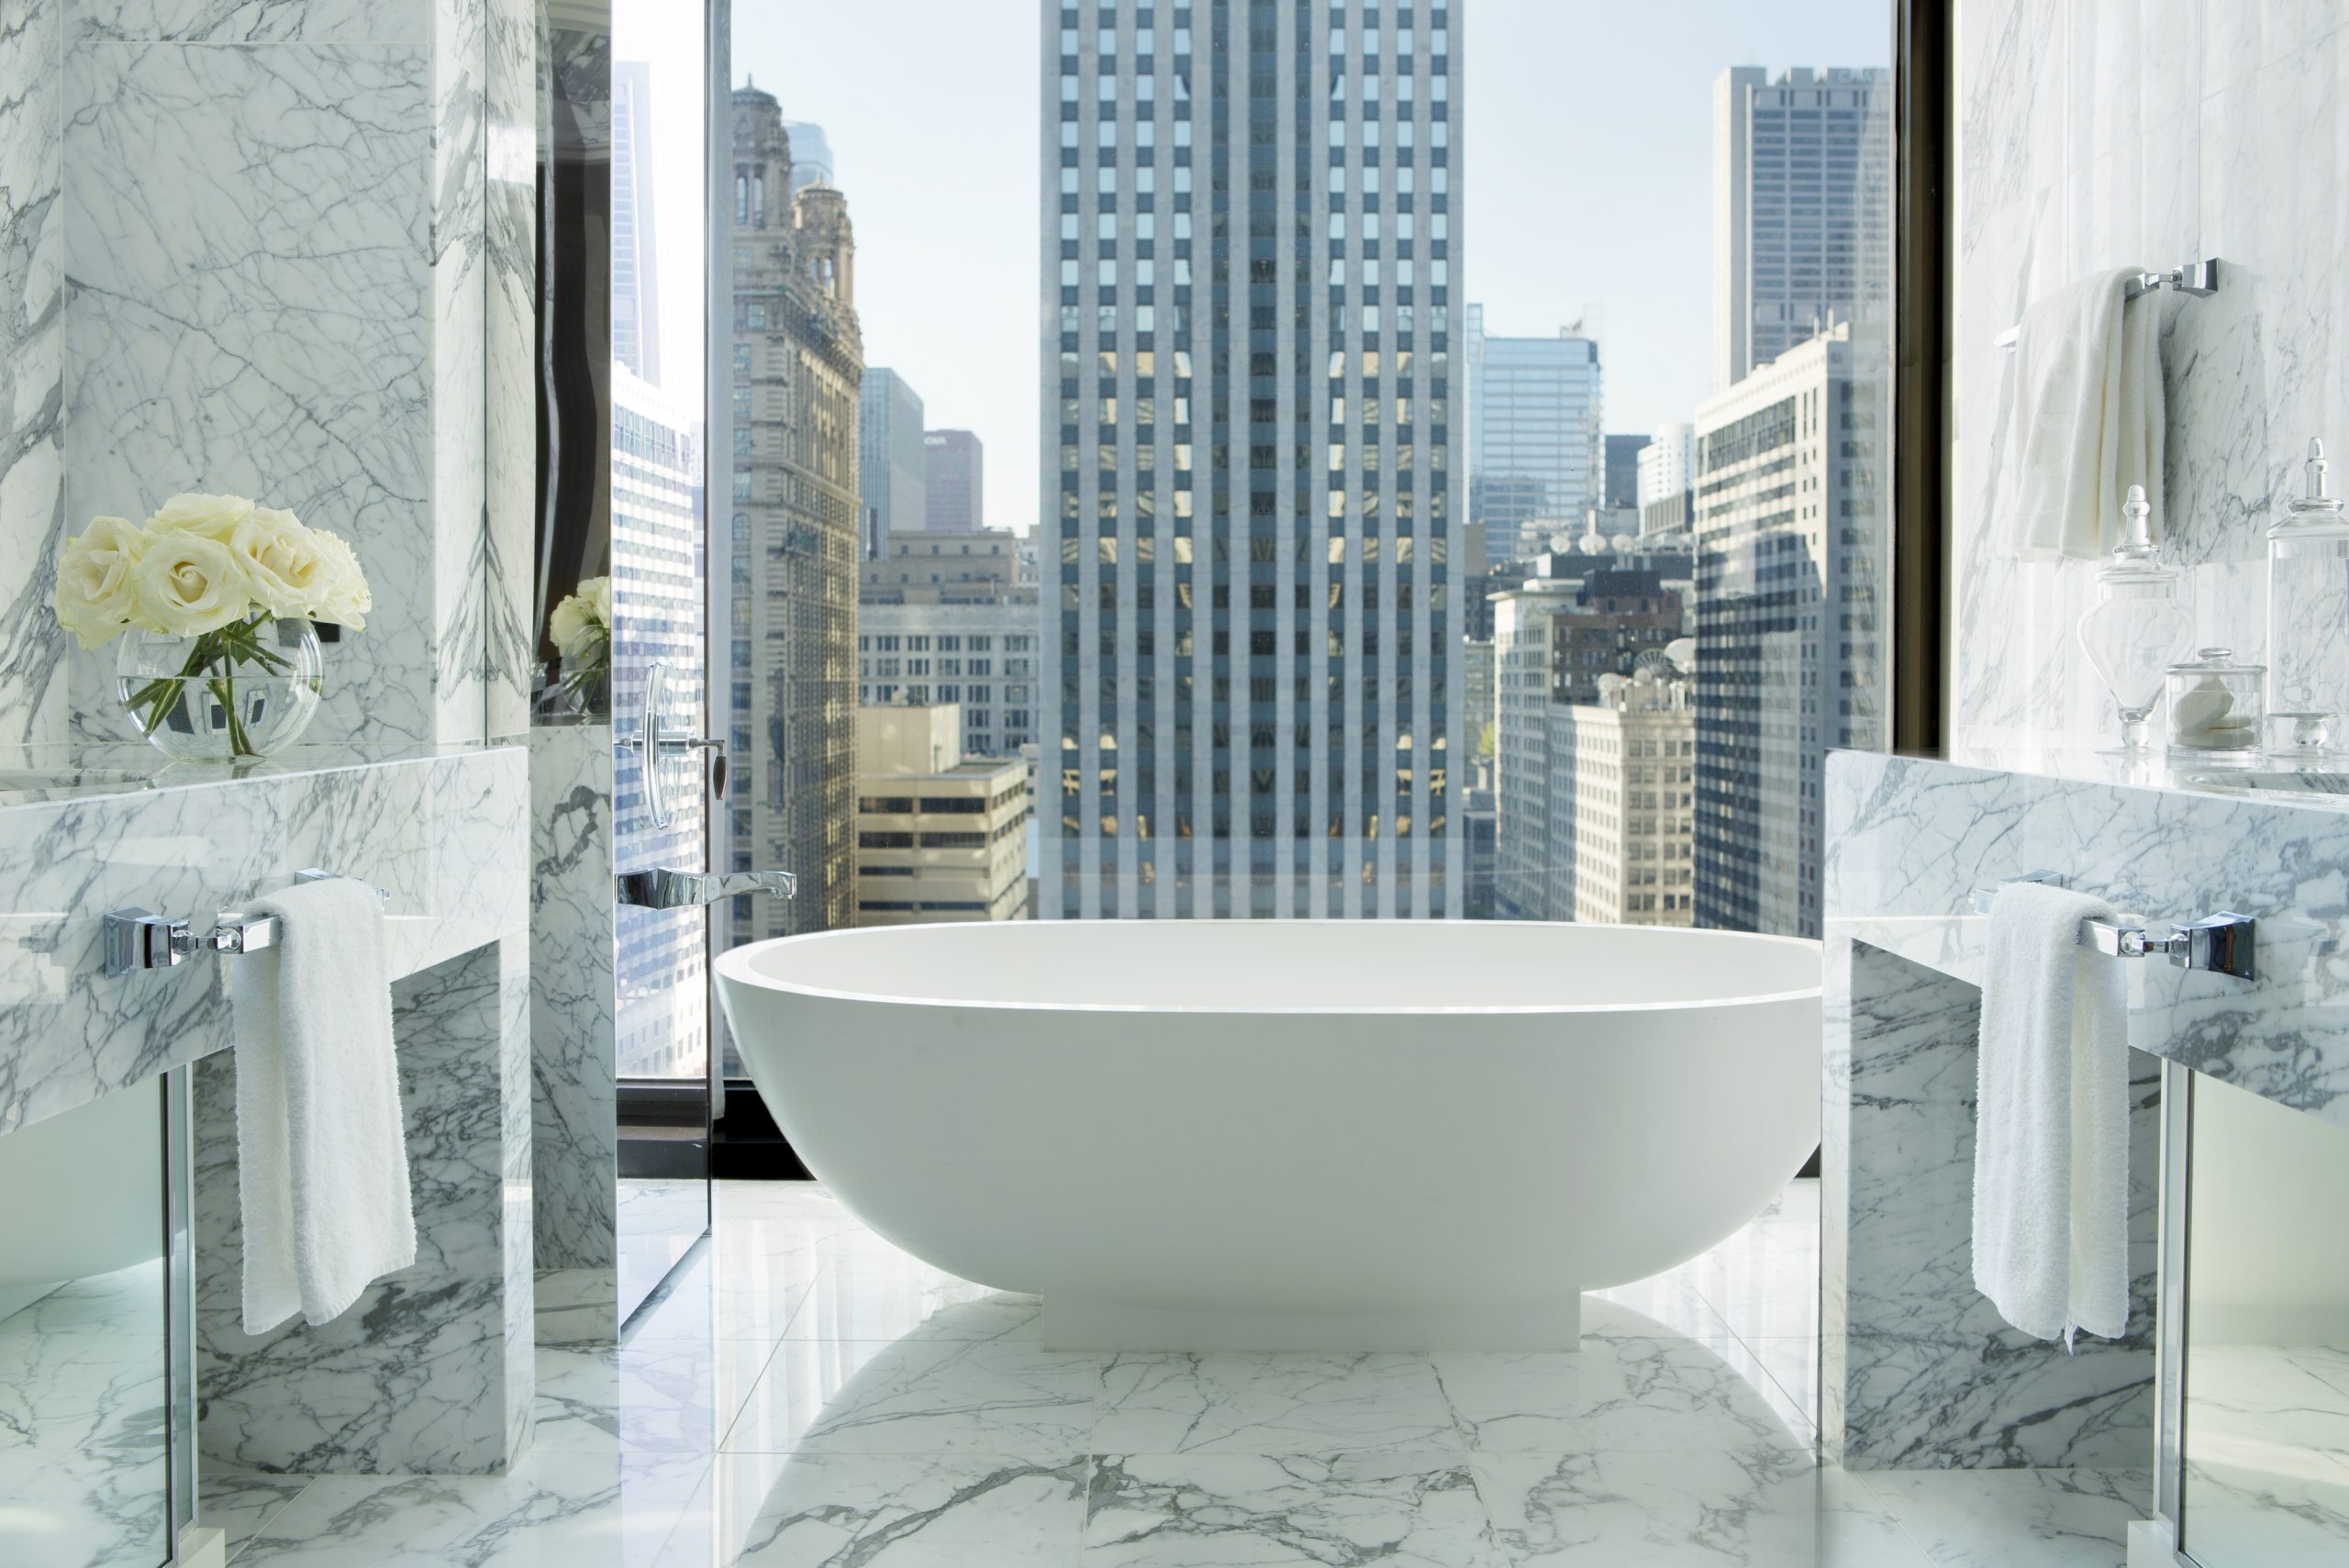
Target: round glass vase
{"x":236,"y":695}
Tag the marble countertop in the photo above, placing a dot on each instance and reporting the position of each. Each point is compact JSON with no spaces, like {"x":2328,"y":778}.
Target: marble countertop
{"x":1909,"y":839}
{"x":2269,"y":780}
{"x":46,"y":774}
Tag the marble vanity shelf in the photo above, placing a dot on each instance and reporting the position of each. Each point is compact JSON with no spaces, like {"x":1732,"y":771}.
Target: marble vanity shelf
{"x":1918,"y":1372}
{"x":430,"y":1370}
{"x":86,"y":830}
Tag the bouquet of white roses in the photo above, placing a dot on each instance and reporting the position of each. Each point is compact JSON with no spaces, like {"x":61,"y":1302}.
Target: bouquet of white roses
{"x":581,"y":627}
{"x":213,"y":569}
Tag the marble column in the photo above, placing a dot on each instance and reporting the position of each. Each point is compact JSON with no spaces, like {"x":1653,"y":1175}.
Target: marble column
{"x":430,"y":1371}
{"x":573,"y":1013}
{"x":1919,"y":1370}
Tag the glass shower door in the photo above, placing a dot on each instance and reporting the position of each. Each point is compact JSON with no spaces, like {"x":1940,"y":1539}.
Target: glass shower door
{"x":659,"y":588}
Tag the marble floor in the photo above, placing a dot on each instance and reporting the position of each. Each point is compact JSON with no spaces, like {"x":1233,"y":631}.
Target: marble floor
{"x":805,"y":1394}
{"x":2267,"y":1445}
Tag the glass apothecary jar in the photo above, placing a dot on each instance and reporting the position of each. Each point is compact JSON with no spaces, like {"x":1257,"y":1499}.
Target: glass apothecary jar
{"x":2307,"y":617}
{"x":2137,"y":627}
{"x":2217,"y":707}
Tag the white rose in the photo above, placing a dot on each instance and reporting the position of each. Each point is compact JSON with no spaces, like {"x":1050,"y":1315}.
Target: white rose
{"x":188,"y":584}
{"x":574,"y":627}
{"x":214,"y":517}
{"x":96,"y":595}
{"x":583,"y":620}
{"x":285,"y":568}
{"x":347,"y":599}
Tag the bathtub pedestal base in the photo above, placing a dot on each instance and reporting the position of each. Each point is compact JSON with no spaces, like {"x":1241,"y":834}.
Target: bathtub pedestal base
{"x":1080,"y":1323}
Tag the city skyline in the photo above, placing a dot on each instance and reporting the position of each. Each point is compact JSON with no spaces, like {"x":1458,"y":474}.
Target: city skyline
{"x":931,"y":247}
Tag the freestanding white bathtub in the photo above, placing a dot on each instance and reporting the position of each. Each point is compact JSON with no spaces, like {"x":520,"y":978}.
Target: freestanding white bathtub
{"x":1290,"y":1135}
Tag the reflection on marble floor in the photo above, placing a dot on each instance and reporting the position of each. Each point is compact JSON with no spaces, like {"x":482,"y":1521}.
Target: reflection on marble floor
{"x":808,"y":1396}
{"x":2267,"y":1446}
{"x":83,"y":1474}
{"x":658,"y":1219}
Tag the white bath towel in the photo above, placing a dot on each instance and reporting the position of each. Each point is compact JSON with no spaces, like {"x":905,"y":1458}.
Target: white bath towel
{"x":2087,"y":419}
{"x":2051,"y":1147}
{"x":321,"y":1154}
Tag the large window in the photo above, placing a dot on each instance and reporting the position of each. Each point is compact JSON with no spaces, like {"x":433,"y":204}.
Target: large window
{"x":1432,"y":454}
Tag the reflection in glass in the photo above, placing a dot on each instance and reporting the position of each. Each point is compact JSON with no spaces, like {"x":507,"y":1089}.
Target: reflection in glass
{"x":84,"y":1469}
{"x":2266,"y":1426}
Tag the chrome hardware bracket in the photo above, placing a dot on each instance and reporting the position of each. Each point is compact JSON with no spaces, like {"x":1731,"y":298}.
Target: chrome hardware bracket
{"x":139,"y":938}
{"x":2221,"y":943}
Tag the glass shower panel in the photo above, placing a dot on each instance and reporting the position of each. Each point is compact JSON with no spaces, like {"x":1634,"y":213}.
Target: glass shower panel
{"x":658,"y":296}
{"x":84,"y":1368}
{"x":2265,"y":1439}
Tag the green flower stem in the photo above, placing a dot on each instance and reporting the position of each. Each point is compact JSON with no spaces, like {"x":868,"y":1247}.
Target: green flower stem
{"x":212,"y":658}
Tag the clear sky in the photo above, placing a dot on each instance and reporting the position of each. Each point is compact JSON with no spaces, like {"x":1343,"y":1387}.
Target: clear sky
{"x":1587,"y":172}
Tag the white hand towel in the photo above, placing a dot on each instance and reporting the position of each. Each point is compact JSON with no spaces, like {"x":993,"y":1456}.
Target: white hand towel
{"x":321,"y":1154}
{"x":2051,"y":1143}
{"x":2088,"y":419}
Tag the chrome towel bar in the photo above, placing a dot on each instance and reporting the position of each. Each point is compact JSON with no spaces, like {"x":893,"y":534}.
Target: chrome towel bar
{"x":2219,"y":943}
{"x":139,"y":938}
{"x":2198,"y":279}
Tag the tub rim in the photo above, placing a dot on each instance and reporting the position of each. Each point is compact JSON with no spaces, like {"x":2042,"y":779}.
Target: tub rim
{"x":735,"y":964}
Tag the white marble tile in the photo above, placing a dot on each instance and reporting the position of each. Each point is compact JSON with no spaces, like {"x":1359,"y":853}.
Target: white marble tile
{"x":887,"y":1299}
{"x":649,"y":1396}
{"x":1620,"y":1395}
{"x":1395,"y":1508}
{"x":1757,"y":1507}
{"x":556,"y":1510}
{"x":2017,"y":1519}
{"x":888,"y":1511}
{"x":699,"y":1300}
{"x":82,"y":1463}
{"x":1236,"y":1402}
{"x":921,"y":1396}
{"x":241,"y":1503}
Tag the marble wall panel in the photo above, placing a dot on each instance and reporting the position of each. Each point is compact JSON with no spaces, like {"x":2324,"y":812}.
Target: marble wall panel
{"x":574,"y":999}
{"x":1921,"y":1371}
{"x":421,"y":1375}
{"x":32,"y":365}
{"x":2106,"y":133}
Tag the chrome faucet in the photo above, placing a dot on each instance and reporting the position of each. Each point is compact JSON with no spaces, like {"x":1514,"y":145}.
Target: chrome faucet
{"x":661,"y":888}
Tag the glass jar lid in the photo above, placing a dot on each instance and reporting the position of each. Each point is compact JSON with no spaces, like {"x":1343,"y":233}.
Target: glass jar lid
{"x":2316,"y":506}
{"x":2215,"y":661}
{"x":2136,"y":559}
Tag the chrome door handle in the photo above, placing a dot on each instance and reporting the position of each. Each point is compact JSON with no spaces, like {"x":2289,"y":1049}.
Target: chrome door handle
{"x":661,"y":888}
{"x":655,"y":746}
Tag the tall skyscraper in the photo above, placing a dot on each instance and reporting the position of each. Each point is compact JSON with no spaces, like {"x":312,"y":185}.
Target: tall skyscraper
{"x":797,"y":358}
{"x":1537,"y":464}
{"x":1663,"y":497}
{"x":892,"y":466}
{"x":1790,"y":589}
{"x":957,"y":482}
{"x":658,"y":539}
{"x":1622,"y":487}
{"x":1249,"y":318}
{"x":1801,"y":231}
{"x":811,"y":155}
{"x":636,"y":283}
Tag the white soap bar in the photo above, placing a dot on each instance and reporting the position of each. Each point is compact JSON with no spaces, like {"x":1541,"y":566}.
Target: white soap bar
{"x":2200,"y":710}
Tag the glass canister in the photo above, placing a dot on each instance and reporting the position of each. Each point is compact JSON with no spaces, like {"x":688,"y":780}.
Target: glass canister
{"x":2216,"y":706}
{"x":2136,"y":626}
{"x":2307,"y":617}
